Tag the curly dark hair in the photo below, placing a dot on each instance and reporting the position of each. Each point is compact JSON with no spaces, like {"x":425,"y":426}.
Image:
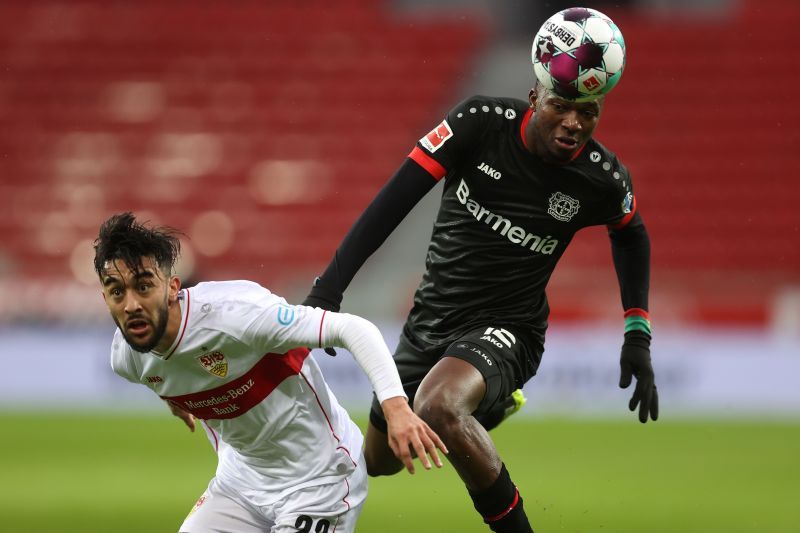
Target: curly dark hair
{"x":122,"y":238}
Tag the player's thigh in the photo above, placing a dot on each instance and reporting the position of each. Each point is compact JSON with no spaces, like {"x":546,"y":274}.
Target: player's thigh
{"x":216,"y":512}
{"x":452,"y":386}
{"x":323,"y":508}
{"x":506,"y":357}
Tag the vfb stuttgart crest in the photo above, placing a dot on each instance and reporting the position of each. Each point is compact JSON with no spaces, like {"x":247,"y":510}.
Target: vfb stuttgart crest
{"x":215,"y":363}
{"x":563,"y":207}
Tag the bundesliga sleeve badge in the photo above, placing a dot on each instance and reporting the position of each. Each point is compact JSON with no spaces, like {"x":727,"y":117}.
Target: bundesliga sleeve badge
{"x":627,"y":203}
{"x":437,"y":137}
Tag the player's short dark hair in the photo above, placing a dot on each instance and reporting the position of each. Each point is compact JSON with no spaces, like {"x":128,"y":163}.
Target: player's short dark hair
{"x":123,"y":238}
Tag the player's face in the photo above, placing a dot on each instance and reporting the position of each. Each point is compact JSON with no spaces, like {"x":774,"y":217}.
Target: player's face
{"x":139,"y":302}
{"x":559,"y":128}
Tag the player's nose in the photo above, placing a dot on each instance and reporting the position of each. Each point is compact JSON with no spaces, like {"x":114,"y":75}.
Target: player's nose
{"x":572,"y":121}
{"x":132,"y":303}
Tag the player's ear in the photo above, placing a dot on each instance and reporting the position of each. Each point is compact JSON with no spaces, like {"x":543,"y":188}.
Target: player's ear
{"x":174,"y":288}
{"x":532,"y":98}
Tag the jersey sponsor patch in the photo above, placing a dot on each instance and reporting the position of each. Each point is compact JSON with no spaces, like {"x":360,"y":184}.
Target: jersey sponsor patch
{"x":563,"y":207}
{"x":243,"y":393}
{"x":214,"y":363}
{"x":437,"y":137}
{"x":286,"y":314}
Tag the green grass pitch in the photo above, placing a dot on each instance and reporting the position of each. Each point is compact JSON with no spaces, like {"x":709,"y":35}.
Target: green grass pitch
{"x":86,"y":473}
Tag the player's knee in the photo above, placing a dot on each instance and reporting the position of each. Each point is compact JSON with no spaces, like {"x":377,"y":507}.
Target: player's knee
{"x":441,"y":412}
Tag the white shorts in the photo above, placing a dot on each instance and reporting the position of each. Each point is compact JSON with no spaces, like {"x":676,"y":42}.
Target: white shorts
{"x":317,"y":509}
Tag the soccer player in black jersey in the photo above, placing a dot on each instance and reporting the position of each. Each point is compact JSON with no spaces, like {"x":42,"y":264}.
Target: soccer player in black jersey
{"x":521,"y":177}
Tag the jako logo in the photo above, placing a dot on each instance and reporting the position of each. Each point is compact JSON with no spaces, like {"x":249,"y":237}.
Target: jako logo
{"x":503,"y":226}
{"x":485,"y":357}
{"x":155,"y":379}
{"x":489,"y":171}
{"x":499,"y":335}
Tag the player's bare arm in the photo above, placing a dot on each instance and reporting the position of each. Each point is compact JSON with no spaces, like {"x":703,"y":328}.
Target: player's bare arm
{"x":187,"y":417}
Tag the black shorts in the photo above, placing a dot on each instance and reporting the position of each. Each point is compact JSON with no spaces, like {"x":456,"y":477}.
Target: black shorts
{"x":507,"y":357}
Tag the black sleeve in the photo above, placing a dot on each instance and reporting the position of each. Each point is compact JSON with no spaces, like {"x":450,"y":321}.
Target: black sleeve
{"x":630,"y":248}
{"x":394,"y":201}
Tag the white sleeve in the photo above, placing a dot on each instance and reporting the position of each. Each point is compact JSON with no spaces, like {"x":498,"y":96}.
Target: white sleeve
{"x":279,"y":327}
{"x":365,"y":342}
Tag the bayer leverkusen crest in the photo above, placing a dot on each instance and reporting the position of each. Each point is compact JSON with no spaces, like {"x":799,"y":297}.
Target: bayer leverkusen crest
{"x":215,"y":363}
{"x":563,"y":207}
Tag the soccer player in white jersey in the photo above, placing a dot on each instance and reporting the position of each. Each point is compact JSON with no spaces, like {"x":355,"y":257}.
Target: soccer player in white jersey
{"x":234,"y":356}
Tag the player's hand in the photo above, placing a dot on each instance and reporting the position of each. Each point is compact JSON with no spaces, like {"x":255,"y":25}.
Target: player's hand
{"x":324,"y":298}
{"x":635,"y":362}
{"x":408,"y":434}
{"x":186,"y":416}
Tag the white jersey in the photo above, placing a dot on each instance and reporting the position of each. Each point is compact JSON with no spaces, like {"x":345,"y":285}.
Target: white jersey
{"x":239,"y":363}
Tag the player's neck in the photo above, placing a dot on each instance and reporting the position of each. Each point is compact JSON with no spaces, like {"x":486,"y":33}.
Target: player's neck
{"x":173,"y":325}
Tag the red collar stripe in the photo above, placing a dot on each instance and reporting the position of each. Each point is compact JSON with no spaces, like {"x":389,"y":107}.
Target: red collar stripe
{"x":523,"y":126}
{"x":185,"y":323}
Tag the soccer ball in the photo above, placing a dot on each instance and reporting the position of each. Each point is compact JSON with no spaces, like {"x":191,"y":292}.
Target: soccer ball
{"x":579,"y":54}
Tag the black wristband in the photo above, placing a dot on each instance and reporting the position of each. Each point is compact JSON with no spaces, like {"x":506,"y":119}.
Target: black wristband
{"x":321,"y":296}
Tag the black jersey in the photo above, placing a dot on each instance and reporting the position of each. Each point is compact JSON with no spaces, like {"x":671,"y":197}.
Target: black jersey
{"x":505,"y":219}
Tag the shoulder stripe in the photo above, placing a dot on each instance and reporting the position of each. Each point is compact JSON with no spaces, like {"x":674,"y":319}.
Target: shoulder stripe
{"x":433,"y":167}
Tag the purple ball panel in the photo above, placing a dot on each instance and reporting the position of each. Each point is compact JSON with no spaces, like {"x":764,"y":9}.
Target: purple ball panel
{"x":564,"y":68}
{"x":576,"y":14}
{"x":589,"y":55}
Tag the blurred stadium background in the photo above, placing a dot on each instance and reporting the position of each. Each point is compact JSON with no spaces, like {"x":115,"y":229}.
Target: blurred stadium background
{"x":263,"y":128}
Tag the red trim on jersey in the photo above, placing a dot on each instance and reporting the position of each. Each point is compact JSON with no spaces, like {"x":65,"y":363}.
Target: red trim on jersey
{"x":637,"y":311}
{"x":347,"y":503}
{"x":330,"y":426}
{"x":237,"y":397}
{"x":495,"y":518}
{"x":525,"y":120}
{"x":433,"y":167}
{"x":578,"y":152}
{"x":185,"y":323}
{"x":213,"y":434}
{"x":627,"y":218}
{"x":321,"y":321}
